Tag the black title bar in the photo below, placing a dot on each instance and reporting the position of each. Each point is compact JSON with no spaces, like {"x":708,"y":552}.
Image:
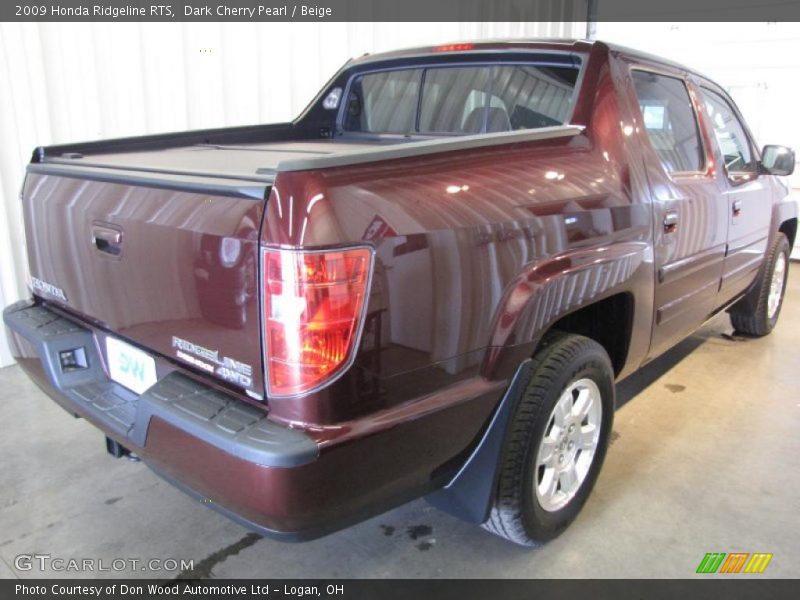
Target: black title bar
{"x":399,"y":10}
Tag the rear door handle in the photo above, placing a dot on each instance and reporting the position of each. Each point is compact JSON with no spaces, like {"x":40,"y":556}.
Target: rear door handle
{"x":670,"y":221}
{"x":107,"y":239}
{"x":736,"y":208}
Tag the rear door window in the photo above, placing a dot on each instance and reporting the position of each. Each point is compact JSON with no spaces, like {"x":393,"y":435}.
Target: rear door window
{"x":670,"y":121}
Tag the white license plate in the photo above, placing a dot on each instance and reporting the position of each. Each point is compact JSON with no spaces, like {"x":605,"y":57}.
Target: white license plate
{"x":129,"y":366}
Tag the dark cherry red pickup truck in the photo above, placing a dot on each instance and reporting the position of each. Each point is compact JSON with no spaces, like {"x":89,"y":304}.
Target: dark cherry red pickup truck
{"x":426,"y":285}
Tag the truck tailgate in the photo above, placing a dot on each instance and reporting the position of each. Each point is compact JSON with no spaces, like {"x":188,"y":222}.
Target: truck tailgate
{"x":174,"y":272}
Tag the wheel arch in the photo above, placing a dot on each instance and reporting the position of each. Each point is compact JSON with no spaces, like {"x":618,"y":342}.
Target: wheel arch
{"x":789,"y":229}
{"x":613,"y":332}
{"x":593,"y":292}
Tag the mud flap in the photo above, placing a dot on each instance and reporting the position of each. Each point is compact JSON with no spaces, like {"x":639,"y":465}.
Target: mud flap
{"x":469,"y":494}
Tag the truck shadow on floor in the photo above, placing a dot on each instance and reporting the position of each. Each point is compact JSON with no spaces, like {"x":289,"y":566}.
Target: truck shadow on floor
{"x":634,"y":385}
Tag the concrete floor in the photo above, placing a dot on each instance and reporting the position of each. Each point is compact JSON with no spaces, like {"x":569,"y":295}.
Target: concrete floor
{"x":705,"y":457}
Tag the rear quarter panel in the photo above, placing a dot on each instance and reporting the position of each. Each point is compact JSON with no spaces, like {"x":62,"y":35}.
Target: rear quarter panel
{"x":477,"y":251}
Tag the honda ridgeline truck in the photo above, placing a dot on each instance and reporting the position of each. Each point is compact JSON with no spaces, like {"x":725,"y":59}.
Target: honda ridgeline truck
{"x":425,"y":285}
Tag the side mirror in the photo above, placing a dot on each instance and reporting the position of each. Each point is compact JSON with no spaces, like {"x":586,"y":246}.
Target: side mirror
{"x":777,"y":160}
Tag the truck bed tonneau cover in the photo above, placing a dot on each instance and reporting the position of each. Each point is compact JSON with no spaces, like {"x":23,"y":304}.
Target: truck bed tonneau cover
{"x":261,"y":162}
{"x":252,"y":162}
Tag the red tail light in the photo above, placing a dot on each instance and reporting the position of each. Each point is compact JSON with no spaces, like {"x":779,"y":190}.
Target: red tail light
{"x":314,"y":305}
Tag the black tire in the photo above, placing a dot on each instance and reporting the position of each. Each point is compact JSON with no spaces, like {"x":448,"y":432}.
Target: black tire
{"x":750,"y":315}
{"x":562,"y":359}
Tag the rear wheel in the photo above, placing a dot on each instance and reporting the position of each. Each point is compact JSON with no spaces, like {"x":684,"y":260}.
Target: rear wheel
{"x":757,"y":313}
{"x":556,"y":442}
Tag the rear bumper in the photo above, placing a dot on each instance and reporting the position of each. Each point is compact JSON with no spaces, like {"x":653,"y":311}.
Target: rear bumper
{"x":209,"y":419}
{"x":223,"y":451}
{"x":211,"y":416}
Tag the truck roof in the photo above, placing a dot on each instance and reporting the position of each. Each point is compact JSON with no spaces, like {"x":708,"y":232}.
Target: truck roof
{"x":477,"y":46}
{"x":466,"y":47}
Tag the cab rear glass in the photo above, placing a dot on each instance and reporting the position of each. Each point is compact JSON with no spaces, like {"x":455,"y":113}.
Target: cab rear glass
{"x":460,"y":99}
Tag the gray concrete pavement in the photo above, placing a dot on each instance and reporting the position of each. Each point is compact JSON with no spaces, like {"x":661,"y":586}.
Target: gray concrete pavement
{"x":705,"y":458}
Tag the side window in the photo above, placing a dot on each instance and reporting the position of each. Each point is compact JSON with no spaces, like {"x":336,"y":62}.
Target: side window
{"x":732,"y":141}
{"x":669,"y":120}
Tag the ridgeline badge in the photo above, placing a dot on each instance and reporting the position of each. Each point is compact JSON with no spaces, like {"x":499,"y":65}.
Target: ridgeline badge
{"x":227,"y":368}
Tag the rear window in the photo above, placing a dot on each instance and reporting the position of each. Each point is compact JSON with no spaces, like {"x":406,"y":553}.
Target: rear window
{"x":460,"y":100}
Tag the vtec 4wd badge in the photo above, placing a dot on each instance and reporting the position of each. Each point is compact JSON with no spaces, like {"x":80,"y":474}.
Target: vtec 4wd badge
{"x":210,"y":361}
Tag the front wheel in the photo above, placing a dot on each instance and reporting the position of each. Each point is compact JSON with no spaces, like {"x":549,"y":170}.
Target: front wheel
{"x":757,"y":313}
{"x":556,"y":442}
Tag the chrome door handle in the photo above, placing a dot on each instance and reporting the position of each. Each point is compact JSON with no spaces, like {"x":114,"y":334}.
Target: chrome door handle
{"x":670,"y":221}
{"x":107,"y":239}
{"x":112,"y":236}
{"x":737,"y":208}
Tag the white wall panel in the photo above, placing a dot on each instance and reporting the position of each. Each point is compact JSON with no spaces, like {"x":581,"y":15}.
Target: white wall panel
{"x":71,"y":82}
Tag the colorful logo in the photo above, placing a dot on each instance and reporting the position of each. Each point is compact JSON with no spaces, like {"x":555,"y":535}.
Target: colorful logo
{"x":735,"y":562}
